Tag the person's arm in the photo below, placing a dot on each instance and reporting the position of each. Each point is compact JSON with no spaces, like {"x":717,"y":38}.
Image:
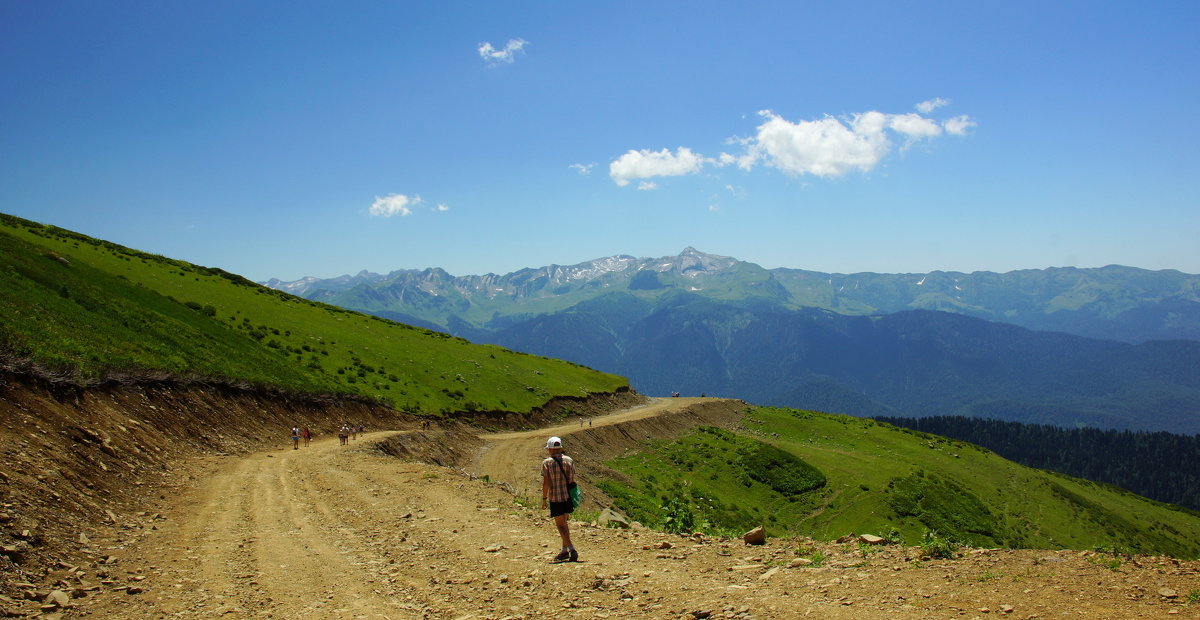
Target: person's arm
{"x":545,"y":487}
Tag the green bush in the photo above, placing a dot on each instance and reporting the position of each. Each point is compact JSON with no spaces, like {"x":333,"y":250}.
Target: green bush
{"x":706,"y":492}
{"x":944,"y":506}
{"x":782,"y":471}
{"x":678,"y":516}
{"x":937,"y":546}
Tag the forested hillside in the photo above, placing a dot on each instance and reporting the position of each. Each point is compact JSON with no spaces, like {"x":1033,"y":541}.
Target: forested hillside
{"x":1161,"y":466}
{"x":910,"y":364}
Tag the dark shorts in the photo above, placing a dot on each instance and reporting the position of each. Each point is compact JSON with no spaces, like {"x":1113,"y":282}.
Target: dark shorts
{"x":560,"y":508}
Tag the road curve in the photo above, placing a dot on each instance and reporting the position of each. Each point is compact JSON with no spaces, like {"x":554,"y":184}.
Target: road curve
{"x":515,"y":457}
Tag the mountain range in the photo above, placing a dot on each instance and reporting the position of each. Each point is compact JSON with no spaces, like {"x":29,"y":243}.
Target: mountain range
{"x":912,"y":345}
{"x":1114,"y":302}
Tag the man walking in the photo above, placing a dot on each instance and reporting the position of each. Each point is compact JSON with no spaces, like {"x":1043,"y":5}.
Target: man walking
{"x":558,"y":471}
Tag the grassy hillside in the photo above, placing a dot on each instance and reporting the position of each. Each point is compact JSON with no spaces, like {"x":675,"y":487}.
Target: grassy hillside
{"x":823,"y":475}
{"x":89,"y":309}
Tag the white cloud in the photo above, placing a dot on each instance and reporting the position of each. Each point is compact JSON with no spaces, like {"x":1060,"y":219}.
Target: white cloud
{"x":441,"y":208}
{"x":825,"y":147}
{"x":493,"y":56}
{"x":647,"y":186}
{"x":582,"y":168}
{"x":645,"y":164}
{"x":713,"y":208}
{"x":925,"y":107}
{"x":958,"y":125}
{"x":914,"y":126}
{"x":394,"y":204}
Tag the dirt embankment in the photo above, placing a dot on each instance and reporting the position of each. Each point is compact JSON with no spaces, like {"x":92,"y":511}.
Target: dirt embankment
{"x":514,"y":457}
{"x":556,"y":410}
{"x":75,"y":462}
{"x":605,"y":442}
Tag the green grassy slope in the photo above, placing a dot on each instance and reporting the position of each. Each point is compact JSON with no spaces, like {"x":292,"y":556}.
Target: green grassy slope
{"x":89,"y":309}
{"x":879,"y":479}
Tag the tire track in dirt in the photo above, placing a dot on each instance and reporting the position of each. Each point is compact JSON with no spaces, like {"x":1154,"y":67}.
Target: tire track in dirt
{"x":263,"y":536}
{"x":294,"y":554}
{"x":210,"y":542}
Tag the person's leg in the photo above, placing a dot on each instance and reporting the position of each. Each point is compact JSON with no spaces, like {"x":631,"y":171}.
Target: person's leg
{"x":564,"y":530}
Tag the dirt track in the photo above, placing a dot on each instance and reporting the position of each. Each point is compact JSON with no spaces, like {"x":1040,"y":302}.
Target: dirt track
{"x":347,"y":532}
{"x":513,"y":457}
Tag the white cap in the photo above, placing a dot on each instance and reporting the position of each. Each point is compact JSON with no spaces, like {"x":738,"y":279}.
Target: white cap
{"x":553,"y":442}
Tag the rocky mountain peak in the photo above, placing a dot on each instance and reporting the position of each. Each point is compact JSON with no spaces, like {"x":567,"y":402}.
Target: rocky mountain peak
{"x":692,"y":261}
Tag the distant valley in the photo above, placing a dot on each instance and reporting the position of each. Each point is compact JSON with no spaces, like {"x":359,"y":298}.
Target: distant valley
{"x":1115,"y":347}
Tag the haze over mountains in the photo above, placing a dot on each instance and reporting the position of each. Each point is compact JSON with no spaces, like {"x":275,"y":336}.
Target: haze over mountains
{"x":1123,"y":354}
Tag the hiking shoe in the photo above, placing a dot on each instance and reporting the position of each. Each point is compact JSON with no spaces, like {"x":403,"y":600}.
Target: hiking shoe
{"x":574,"y":555}
{"x":562,"y":556}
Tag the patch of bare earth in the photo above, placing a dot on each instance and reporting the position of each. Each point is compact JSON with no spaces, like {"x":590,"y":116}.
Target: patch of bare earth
{"x":333,"y":531}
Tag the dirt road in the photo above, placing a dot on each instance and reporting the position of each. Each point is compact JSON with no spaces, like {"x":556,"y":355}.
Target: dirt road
{"x":515,"y":457}
{"x":347,"y":532}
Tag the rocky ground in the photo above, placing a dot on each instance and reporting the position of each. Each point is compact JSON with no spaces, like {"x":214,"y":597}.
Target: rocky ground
{"x":355,"y":531}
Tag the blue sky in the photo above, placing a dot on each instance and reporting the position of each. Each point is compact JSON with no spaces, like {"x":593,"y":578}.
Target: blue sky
{"x":278,"y":139}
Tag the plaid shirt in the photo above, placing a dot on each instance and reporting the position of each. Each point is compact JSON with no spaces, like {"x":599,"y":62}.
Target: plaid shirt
{"x":558,"y":483}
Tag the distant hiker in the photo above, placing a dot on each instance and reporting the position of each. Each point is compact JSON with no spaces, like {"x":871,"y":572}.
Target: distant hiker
{"x":343,"y":433}
{"x":295,"y":437}
{"x":307,"y":435}
{"x":558,"y":470}
{"x":589,"y":421}
{"x":354,"y":432}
